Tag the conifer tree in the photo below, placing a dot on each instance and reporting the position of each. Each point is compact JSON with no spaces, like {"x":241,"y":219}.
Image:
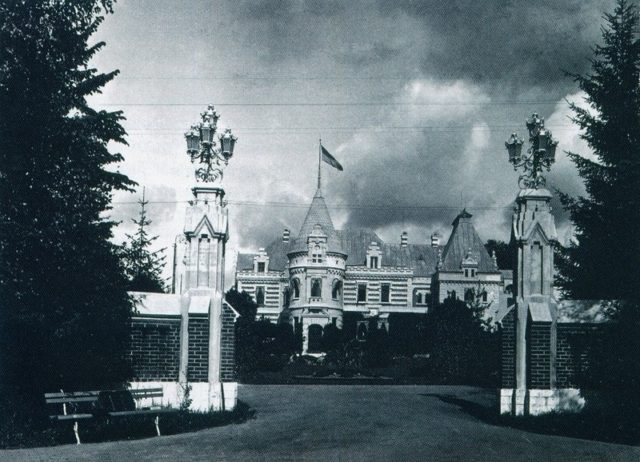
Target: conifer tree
{"x":605,"y":263}
{"x":65,"y":313}
{"x":143,"y":266}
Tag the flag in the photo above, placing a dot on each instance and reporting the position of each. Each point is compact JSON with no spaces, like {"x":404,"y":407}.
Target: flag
{"x":329,"y":159}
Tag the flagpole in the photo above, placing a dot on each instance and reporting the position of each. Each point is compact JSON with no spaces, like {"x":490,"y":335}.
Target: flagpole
{"x":319,"y":159}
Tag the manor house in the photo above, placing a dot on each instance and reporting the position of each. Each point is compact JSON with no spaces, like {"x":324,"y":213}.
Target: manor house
{"x":311,"y":279}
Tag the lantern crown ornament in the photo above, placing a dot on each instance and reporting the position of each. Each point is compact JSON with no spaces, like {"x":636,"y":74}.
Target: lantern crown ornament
{"x":203,"y":149}
{"x":540,"y":155}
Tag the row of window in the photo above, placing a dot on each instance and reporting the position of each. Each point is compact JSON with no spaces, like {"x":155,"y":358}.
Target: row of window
{"x":420,"y":297}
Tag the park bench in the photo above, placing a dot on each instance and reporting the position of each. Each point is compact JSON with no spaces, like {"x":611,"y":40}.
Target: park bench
{"x":105,"y":404}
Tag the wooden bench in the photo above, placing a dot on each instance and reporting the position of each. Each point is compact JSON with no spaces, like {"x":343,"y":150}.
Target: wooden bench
{"x":76,"y":406}
{"x":105,"y":404}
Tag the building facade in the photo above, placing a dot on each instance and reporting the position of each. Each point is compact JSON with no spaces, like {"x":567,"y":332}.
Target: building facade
{"x":312,"y":279}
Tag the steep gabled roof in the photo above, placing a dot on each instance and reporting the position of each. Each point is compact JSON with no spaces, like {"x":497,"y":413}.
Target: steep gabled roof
{"x":463,"y":242}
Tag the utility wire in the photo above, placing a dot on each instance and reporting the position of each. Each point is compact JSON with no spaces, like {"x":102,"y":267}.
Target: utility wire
{"x":336,"y":206}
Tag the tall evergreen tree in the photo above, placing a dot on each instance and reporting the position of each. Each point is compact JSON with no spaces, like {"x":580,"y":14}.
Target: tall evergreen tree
{"x":143,"y":266}
{"x":65,"y":313}
{"x":605,"y":262}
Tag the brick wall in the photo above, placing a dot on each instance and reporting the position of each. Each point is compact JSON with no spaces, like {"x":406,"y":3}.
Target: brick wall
{"x":227,"y":345}
{"x":197,"y":368}
{"x":508,"y":341}
{"x":539,"y":355}
{"x":574,"y":340}
{"x":155,"y":350}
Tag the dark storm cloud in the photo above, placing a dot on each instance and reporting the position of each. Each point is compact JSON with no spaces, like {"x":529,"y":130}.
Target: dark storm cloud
{"x":527,"y":43}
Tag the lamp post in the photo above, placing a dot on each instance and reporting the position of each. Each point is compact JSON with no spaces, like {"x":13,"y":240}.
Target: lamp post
{"x":202,"y":147}
{"x":540,"y":155}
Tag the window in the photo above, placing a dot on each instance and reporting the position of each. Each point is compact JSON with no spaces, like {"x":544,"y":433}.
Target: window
{"x":336,"y":289}
{"x":261,"y":266}
{"x":316,"y":255}
{"x":384,"y":293}
{"x":316,"y":287}
{"x":260,"y":295}
{"x":334,"y":321}
{"x":295,"y":286}
{"x":362,"y":292}
{"x":484,"y":296}
{"x":373,"y":262}
{"x":419,"y":298}
{"x":473,"y":272}
{"x":469,"y":295}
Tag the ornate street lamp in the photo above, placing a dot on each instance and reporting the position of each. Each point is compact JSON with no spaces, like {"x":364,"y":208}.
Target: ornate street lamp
{"x":201,"y":147}
{"x":541,"y":154}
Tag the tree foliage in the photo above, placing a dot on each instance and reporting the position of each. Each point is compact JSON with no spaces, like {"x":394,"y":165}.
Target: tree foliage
{"x":505,"y":253}
{"x":143,"y":267}
{"x":64,"y":318}
{"x":463,"y":348}
{"x":605,"y":262}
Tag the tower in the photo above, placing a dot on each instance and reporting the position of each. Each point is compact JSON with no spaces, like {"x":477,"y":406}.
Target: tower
{"x":316,"y":273}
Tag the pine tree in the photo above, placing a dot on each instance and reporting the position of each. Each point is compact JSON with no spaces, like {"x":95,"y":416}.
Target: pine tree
{"x":143,"y":267}
{"x":605,"y":263}
{"x":65,"y":313}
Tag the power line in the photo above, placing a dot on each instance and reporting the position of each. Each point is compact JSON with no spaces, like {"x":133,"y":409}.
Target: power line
{"x":338,"y":104}
{"x":344,"y":206}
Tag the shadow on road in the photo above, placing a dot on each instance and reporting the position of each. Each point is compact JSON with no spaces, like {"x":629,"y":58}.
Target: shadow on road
{"x":585,"y":425}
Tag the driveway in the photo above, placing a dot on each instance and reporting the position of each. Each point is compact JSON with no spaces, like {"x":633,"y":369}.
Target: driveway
{"x":349,"y":423}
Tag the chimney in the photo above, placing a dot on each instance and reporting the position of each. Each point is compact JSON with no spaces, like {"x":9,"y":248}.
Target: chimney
{"x":435,"y":240}
{"x":404,"y":239}
{"x":285,"y":235}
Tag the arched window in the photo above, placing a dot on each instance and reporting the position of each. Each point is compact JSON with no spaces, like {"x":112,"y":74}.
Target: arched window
{"x":316,"y":287}
{"x":295,"y":287}
{"x":469,"y":295}
{"x":336,"y":290}
{"x":260,"y":295}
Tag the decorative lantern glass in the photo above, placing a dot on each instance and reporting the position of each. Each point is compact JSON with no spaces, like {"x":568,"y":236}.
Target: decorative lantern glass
{"x":543,"y":139}
{"x":207,"y":132}
{"x":227,"y":143}
{"x":550,"y":152}
{"x":193,"y":141}
{"x":514,"y":147}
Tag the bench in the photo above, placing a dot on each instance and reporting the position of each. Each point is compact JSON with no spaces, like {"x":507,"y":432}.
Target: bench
{"x":105,"y":404}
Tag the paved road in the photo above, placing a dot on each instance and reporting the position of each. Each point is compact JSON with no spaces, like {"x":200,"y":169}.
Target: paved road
{"x":349,"y":423}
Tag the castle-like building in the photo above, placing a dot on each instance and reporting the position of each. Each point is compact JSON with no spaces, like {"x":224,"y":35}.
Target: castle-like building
{"x":312,"y":279}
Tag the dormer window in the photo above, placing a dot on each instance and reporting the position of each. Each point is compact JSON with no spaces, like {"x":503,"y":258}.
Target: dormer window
{"x":373,"y":255}
{"x":261,"y":261}
{"x":316,"y":255}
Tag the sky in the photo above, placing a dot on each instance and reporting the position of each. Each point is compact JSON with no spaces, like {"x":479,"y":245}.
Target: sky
{"x":414,"y":98}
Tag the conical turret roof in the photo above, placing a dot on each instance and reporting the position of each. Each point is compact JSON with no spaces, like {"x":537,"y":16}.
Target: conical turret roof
{"x":318,"y":214}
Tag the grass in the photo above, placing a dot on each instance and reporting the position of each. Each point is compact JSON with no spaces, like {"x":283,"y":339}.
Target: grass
{"x":28,"y":433}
